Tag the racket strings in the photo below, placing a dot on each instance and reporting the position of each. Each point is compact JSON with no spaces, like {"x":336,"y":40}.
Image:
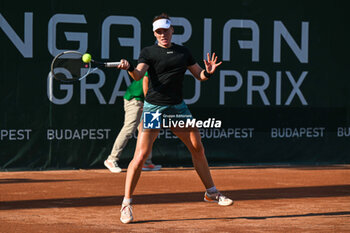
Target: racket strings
{"x":67,"y":69}
{"x":88,"y":73}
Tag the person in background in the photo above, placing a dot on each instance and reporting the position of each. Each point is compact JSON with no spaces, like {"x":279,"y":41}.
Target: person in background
{"x":133,"y":105}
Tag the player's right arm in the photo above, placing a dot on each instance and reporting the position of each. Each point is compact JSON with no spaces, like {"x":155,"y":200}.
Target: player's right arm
{"x":136,"y":73}
{"x":139,"y":71}
{"x":145,"y":85}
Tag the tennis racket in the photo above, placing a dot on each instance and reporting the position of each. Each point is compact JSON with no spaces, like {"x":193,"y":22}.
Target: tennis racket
{"x":68,"y":66}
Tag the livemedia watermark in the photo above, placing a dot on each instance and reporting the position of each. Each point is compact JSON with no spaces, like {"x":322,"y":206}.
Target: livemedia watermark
{"x":157,"y":120}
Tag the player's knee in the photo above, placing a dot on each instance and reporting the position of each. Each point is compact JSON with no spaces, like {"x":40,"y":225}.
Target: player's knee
{"x":140,"y":158}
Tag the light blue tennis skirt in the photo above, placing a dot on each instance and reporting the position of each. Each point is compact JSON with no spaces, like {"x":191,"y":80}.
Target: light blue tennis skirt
{"x":178,"y":111}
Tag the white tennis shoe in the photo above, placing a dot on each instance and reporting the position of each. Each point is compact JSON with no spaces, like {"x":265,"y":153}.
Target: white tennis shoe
{"x":217,"y":198}
{"x":112,"y":166}
{"x":126,"y":214}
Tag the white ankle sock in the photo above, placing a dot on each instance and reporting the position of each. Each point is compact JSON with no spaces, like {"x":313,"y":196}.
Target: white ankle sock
{"x":212,"y":190}
{"x":127,"y":201}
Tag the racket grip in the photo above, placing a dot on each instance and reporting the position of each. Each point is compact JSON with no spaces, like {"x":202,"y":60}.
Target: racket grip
{"x":112,"y":64}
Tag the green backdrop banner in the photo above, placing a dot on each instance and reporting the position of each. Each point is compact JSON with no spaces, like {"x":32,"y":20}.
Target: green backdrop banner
{"x":281,"y":94}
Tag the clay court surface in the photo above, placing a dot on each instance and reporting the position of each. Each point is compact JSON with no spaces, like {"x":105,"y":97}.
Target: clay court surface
{"x":267,"y":199}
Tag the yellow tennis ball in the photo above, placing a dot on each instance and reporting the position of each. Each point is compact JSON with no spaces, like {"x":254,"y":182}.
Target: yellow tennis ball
{"x":86,"y":58}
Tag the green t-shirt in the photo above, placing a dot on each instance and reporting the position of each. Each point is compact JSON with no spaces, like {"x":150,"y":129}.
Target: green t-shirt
{"x":135,"y":90}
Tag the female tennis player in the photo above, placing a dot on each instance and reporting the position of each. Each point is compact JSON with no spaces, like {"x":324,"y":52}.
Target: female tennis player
{"x":166,"y":64}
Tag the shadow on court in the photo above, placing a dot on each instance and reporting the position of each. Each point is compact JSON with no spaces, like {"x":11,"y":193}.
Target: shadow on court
{"x":13,"y":181}
{"x":343,"y":213}
{"x":237,"y":195}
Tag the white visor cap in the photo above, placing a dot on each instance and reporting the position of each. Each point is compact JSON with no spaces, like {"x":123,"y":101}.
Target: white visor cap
{"x":161,"y":23}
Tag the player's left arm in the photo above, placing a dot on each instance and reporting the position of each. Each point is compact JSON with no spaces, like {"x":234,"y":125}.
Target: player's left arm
{"x":210,"y":67}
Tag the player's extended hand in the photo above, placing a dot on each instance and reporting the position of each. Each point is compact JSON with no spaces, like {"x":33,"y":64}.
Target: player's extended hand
{"x":210,"y":63}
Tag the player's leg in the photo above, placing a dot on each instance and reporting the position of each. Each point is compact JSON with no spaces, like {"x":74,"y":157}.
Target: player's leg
{"x":144,"y":144}
{"x":191,"y":138}
{"x":143,"y":148}
{"x":132,"y":116}
{"x":148,"y":165}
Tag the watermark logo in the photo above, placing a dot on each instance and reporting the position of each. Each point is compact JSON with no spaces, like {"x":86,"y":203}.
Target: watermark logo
{"x":152,"y":120}
{"x":156,"y":120}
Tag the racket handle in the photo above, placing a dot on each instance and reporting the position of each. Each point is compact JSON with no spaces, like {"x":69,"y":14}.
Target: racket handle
{"x":112,"y":64}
